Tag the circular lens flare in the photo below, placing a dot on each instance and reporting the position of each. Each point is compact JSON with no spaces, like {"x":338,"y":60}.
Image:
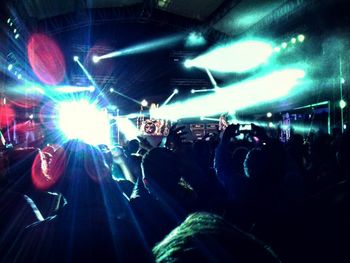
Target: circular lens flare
{"x":48,"y":167}
{"x":46,"y":59}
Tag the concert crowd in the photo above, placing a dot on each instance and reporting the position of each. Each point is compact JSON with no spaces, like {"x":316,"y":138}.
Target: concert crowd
{"x":229,"y":197}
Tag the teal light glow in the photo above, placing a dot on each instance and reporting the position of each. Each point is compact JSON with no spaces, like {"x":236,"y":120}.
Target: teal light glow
{"x":195,"y":39}
{"x":237,"y":57}
{"x":128,"y":128}
{"x":236,"y":97}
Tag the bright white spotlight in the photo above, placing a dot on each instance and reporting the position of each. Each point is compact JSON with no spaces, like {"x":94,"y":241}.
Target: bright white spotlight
{"x":83,"y":120}
{"x":301,"y":38}
{"x":144,"y":103}
{"x":237,"y":57}
{"x":284,"y":45}
{"x":188,"y":63}
{"x":193,"y":91}
{"x":16,"y":36}
{"x":111,"y":90}
{"x":269,"y":114}
{"x":75,"y":58}
{"x":92,"y":88}
{"x":10,"y":67}
{"x":95,"y":59}
{"x":342,"y":104}
{"x":176,"y":91}
{"x":8,"y":20}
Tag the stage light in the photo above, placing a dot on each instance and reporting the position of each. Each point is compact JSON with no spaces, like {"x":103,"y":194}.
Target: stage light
{"x":95,"y":59}
{"x":293,"y":40}
{"x":301,"y":38}
{"x":284,"y":45}
{"x":269,"y":115}
{"x":144,"y":103}
{"x":31,"y":116}
{"x":248,"y":93}
{"x":193,"y":91}
{"x":201,"y":118}
{"x":342,"y":80}
{"x":188,"y":63}
{"x":76,"y":58}
{"x":277,"y":49}
{"x":8,"y":20}
{"x":342,"y":104}
{"x":19,"y":76}
{"x":10,"y":67}
{"x":176,"y":91}
{"x":111,"y":90}
{"x":16,"y":36}
{"x":145,"y":47}
{"x":271,"y":125}
{"x":237,"y":57}
{"x":86,"y":72}
{"x":11,"y":24}
{"x":344,"y":126}
{"x":73,"y":89}
{"x":85,"y":121}
{"x":15,"y":30}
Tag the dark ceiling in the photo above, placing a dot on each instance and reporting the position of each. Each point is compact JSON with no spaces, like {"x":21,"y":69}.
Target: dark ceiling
{"x":78,"y":25}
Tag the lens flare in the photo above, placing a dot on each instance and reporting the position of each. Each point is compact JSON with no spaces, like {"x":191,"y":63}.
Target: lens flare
{"x":85,"y":121}
{"x":46,"y":59}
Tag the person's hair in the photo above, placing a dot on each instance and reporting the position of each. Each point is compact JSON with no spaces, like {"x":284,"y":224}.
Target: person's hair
{"x":205,"y":237}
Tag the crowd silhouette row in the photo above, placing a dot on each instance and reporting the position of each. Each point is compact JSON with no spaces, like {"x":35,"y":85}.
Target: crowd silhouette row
{"x":219,"y":199}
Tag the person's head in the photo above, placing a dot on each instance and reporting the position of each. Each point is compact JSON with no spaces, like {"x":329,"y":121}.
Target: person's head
{"x":266,"y":165}
{"x":238,"y":156}
{"x":133,"y":146}
{"x":205,"y":237}
{"x":161,"y":169}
